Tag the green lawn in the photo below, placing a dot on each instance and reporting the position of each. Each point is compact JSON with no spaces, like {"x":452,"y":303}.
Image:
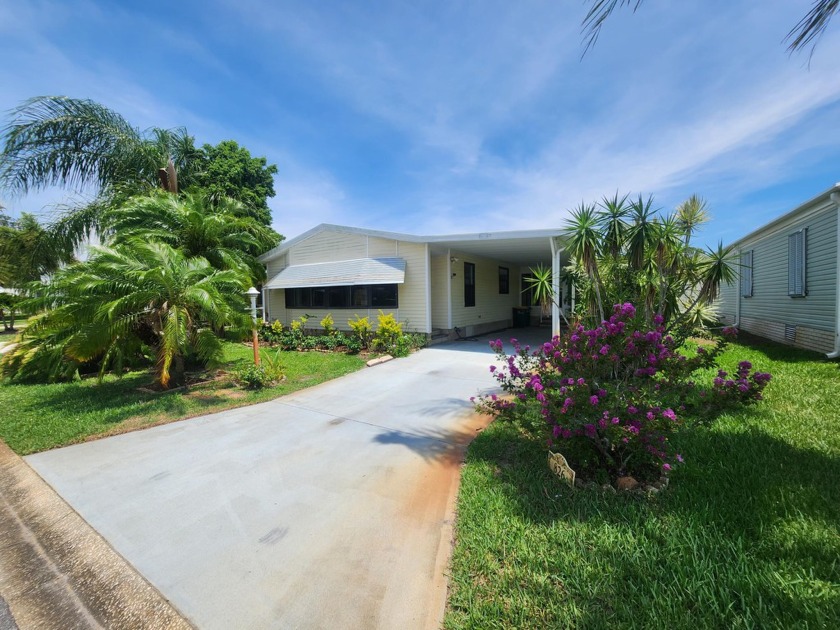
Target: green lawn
{"x":746,"y":536}
{"x":40,"y":417}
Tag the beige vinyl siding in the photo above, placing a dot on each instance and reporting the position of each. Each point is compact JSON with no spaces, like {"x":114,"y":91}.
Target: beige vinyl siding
{"x":277,"y":265}
{"x":440,"y":301}
{"x":276,"y":299}
{"x":490,"y":305}
{"x":332,"y":246}
{"x":727,"y":302}
{"x":328,"y":246}
{"x":770,"y":301}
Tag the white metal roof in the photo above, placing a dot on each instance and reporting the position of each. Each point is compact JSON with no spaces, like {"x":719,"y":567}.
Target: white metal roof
{"x":341,"y":273}
{"x":524,"y":246}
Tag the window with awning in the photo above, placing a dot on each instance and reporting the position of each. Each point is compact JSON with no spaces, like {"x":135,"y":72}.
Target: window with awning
{"x":344,"y":273}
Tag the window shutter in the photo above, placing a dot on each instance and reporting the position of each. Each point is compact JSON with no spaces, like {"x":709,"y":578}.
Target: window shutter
{"x":747,"y":274}
{"x":796,"y":263}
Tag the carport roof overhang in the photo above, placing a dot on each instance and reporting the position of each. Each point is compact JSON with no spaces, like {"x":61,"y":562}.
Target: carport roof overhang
{"x":520,"y":247}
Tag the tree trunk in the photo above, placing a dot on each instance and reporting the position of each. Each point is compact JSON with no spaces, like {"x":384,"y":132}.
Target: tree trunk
{"x":177,"y":374}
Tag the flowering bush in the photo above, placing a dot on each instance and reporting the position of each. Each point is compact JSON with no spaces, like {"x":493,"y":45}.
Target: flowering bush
{"x":613,"y":394}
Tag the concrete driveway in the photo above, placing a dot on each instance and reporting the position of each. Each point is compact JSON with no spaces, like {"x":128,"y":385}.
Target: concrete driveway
{"x":327,"y":508}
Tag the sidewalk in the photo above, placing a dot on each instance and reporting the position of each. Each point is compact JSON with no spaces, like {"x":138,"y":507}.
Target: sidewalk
{"x":57,"y":572}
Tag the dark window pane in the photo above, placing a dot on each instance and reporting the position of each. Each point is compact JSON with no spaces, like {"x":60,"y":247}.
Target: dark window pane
{"x":301,"y":298}
{"x":360,"y":296}
{"x":469,"y":284}
{"x":384,"y":295}
{"x":338,"y":297}
{"x":527,"y":291}
{"x":504,"y":280}
{"x":319,"y":297}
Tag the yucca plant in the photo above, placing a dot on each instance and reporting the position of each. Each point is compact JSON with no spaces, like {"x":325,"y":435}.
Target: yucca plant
{"x":628,"y":252}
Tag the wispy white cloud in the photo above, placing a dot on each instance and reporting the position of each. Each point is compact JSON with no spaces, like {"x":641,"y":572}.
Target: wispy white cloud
{"x":462,"y":116}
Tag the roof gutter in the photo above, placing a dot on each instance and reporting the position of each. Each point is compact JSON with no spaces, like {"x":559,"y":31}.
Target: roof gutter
{"x":835,"y":198}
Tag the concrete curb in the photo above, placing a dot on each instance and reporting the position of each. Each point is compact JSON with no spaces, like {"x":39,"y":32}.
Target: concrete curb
{"x":379,"y":360}
{"x":57,"y":572}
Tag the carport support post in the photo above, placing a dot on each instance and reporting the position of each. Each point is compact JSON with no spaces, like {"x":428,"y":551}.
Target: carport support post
{"x":253,"y":293}
{"x":555,"y":288}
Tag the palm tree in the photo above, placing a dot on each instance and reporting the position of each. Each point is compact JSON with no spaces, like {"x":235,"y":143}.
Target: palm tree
{"x":81,"y":144}
{"x":77,"y":143}
{"x":648,"y":261}
{"x":641,"y":233}
{"x":612,"y":219}
{"x":806,"y":31}
{"x":691,"y":214}
{"x":106,"y":308}
{"x":218,"y":229}
{"x":585,"y":244}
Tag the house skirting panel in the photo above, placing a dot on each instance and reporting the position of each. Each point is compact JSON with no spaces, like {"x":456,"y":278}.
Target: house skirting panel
{"x":790,"y":334}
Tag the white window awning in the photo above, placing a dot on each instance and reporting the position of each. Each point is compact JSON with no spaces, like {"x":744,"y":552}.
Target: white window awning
{"x":341,"y":273}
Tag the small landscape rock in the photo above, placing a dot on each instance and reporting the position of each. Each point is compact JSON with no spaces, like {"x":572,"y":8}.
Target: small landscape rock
{"x":626,"y":483}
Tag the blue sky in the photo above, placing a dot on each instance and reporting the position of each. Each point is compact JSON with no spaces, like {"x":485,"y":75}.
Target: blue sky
{"x":439,"y":117}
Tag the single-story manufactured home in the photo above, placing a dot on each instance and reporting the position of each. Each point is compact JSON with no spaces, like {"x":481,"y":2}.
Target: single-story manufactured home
{"x":444,"y":286}
{"x":788,"y":288}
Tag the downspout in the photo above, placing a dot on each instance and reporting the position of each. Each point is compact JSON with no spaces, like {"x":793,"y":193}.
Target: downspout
{"x":835,"y":197}
{"x":449,"y":289}
{"x":265,"y":313}
{"x":428,"y":290}
{"x":738,"y":297}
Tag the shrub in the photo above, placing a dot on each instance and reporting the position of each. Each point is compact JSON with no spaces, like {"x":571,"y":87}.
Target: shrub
{"x":328,"y":324}
{"x":271,"y":333}
{"x":266,"y":374}
{"x":362,"y":330}
{"x":611,"y":395}
{"x":388,"y":331}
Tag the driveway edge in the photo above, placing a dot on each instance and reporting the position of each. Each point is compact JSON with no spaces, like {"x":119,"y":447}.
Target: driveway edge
{"x":56,"y":571}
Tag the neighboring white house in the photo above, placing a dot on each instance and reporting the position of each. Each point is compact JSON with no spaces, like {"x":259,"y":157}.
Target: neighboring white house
{"x":789,"y":279}
{"x":455,"y":285}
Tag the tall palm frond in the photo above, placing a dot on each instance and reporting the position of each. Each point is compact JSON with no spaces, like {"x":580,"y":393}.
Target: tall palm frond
{"x":219,"y":230}
{"x":812,"y":25}
{"x":583,"y":238}
{"x":613,"y":224}
{"x":642,"y":231}
{"x":691,"y":214}
{"x":806,"y":32}
{"x":598,"y":14}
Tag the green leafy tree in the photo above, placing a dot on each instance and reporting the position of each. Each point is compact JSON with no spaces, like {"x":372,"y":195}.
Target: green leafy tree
{"x":9,"y":303}
{"x":134,"y":295}
{"x":806,"y":32}
{"x":229,"y":170}
{"x":28,"y":251}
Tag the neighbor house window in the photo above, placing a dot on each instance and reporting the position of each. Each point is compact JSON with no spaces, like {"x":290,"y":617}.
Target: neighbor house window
{"x":359,"y":296}
{"x":747,"y":274}
{"x":469,"y":284}
{"x":797,"y":245}
{"x":504,"y":280}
